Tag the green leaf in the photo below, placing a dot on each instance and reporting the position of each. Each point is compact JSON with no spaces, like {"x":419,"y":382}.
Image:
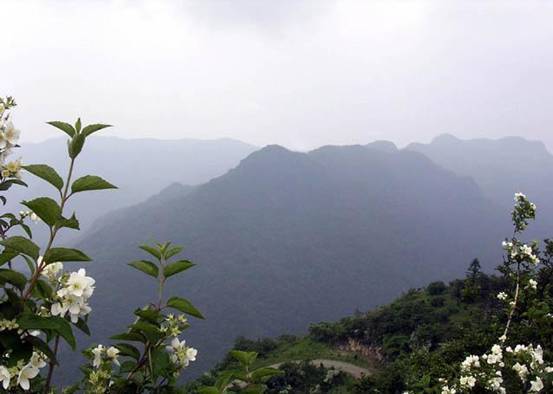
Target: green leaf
{"x":223,"y":380}
{"x":72,"y":222}
{"x":54,"y":323}
{"x":47,"y":173}
{"x":153,"y":251}
{"x":22,"y":245}
{"x":262,"y":374}
{"x":78,"y":125}
{"x":128,"y":350}
{"x":90,"y":182}
{"x":149,"y":330}
{"x":13,"y":277}
{"x":184,"y":306}
{"x":92,"y":128}
{"x":209,"y":390}
{"x":75,"y":146}
{"x":65,"y":127}
{"x":30,"y":263}
{"x":176,"y":267}
{"x":45,"y":208}
{"x":83,"y":326}
{"x":171,"y":251}
{"x":149,"y":314}
{"x":27,"y":229}
{"x":43,"y":289}
{"x":160,"y":362}
{"x":42,"y":346}
{"x":128,"y":336}
{"x":245,"y":358}
{"x":64,"y":254}
{"x":146,"y":266}
{"x":126,"y":367}
{"x":7,"y":255}
{"x":254,"y":389}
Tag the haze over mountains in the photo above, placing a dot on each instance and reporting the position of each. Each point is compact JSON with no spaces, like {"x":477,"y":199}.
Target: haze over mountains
{"x":288,"y":238}
{"x":140,"y":168}
{"x":500,"y":168}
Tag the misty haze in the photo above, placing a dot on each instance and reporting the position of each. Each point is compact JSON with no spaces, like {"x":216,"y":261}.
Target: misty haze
{"x":296,"y":196}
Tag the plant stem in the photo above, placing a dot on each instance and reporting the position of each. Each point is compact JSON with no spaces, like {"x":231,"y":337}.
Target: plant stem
{"x":514,"y":305}
{"x":53,"y":233}
{"x":52,"y":366}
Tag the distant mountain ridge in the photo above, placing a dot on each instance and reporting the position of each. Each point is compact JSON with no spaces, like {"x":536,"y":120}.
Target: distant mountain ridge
{"x":288,"y":238}
{"x":500,"y":168}
{"x":140,"y":168}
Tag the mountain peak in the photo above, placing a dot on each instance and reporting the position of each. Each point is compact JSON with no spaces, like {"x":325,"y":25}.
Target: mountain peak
{"x":383,"y":145}
{"x":445,"y":138}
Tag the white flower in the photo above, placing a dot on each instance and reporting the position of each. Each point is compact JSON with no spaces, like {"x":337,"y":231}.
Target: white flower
{"x":467,"y":381}
{"x":521,"y":370}
{"x":520,"y":197}
{"x":536,"y":385}
{"x":27,"y":373}
{"x":5,"y":377}
{"x":113,"y":353}
{"x":37,"y":360}
{"x":72,"y":297}
{"x":11,"y":134}
{"x":52,"y":270}
{"x":469,"y":362}
{"x":495,"y":383}
{"x":97,"y":351}
{"x":58,"y":309}
{"x":495,"y":356}
{"x":78,"y":308}
{"x":181,"y":355}
{"x":191,"y":354}
{"x":533,"y":284}
{"x":502,"y":296}
{"x":78,"y":285}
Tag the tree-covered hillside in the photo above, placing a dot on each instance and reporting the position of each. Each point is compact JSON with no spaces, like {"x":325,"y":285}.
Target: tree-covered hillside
{"x":409,"y":344}
{"x":279,"y":238}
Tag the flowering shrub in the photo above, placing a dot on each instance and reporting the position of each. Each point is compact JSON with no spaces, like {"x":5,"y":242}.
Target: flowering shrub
{"x":516,"y":366}
{"x":244,"y":379}
{"x":160,"y":356}
{"x":41,"y":303}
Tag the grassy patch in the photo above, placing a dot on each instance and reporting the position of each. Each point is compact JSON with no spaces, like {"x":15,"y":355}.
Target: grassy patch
{"x":308,"y":349}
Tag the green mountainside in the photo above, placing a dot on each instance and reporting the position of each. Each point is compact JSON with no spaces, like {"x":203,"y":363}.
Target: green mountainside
{"x":413,"y":341}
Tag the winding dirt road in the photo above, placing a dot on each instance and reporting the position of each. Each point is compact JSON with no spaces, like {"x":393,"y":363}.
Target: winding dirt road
{"x":350,"y":369}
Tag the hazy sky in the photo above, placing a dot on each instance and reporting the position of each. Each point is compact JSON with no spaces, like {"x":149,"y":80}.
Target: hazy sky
{"x":298,"y":73}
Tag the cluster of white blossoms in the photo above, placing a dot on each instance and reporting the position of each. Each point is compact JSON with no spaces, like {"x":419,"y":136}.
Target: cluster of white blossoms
{"x":521,"y":252}
{"x":180,"y":354}
{"x":502,"y":296}
{"x":487,"y":371}
{"x":73,"y":291}
{"x":22,"y":374}
{"x":174,"y":325}
{"x":9,"y":136}
{"x":8,"y":325}
{"x":523,"y":211}
{"x":29,"y":214}
{"x":101,"y":354}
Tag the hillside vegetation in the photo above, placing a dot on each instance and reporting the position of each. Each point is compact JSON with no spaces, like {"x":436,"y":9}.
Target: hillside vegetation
{"x":412,"y":342}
